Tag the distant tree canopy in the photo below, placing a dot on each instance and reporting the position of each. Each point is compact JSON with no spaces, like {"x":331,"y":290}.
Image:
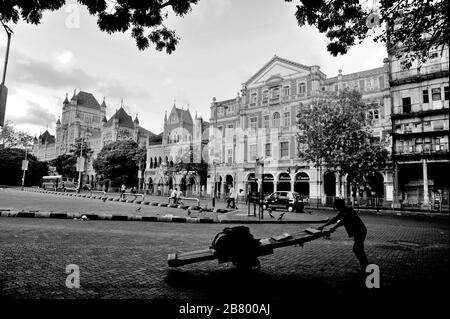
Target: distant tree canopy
{"x":11,"y":168}
{"x":334,"y":133}
{"x":112,"y":16}
{"x":422,"y":25}
{"x":10,"y":137}
{"x":119,"y":162}
{"x":65,"y":165}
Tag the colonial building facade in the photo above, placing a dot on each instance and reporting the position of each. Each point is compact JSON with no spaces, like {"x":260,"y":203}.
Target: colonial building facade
{"x":84,"y":118}
{"x":260,"y":123}
{"x":420,"y":122}
{"x":183,"y":141}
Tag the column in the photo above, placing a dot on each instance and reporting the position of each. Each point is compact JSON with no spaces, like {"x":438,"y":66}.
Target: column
{"x":274,"y":184}
{"x":426,"y":199}
{"x":337,"y":177}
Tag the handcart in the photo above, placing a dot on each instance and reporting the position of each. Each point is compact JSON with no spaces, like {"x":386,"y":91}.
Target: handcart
{"x":265,"y":246}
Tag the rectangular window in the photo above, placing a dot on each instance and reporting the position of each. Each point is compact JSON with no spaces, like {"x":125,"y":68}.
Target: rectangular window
{"x":286,"y":119}
{"x":446,"y":93}
{"x":254,"y":98}
{"x":253,"y":154}
{"x":425,"y":96}
{"x":286,"y":91}
{"x":230,"y":156}
{"x":302,"y":88}
{"x":284,"y":149}
{"x":266,"y":121}
{"x":220,"y":131}
{"x":336,"y":87}
{"x":230,"y":130}
{"x":253,"y":123}
{"x":406,"y":103}
{"x":276,"y":93}
{"x":268,"y":150}
{"x":265,"y":96}
{"x":436,"y":94}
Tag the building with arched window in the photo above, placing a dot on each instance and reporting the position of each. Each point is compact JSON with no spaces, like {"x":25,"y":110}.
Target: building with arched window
{"x":260,"y":123}
{"x":176,"y":157}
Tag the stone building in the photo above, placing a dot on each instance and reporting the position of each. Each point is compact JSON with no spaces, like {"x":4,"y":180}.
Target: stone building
{"x":177,"y":158}
{"x":420,"y":123}
{"x":260,"y":123}
{"x":84,"y":118}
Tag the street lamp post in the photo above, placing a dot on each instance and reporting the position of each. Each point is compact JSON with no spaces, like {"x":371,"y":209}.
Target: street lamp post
{"x":215,"y":185}
{"x":24,"y":167}
{"x":3,"y":88}
{"x":139,"y":176}
{"x":80,"y":168}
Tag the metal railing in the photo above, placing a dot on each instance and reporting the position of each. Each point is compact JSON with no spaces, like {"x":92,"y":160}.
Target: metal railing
{"x":381,"y":204}
{"x":424,"y":71}
{"x":422,"y":149}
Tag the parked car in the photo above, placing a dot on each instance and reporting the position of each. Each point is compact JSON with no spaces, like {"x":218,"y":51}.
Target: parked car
{"x":283,"y":200}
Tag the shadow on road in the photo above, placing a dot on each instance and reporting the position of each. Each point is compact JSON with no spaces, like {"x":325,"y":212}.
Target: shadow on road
{"x":231,"y":283}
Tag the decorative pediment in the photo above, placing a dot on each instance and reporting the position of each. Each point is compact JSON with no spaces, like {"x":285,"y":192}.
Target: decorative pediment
{"x":277,"y":70}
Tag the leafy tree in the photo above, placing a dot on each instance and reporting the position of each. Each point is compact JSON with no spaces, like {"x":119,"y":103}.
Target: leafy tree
{"x":11,"y":168}
{"x":80,"y":146}
{"x":334,"y":133}
{"x":422,"y":25}
{"x":10,"y":137}
{"x":112,"y":16}
{"x":65,"y":165}
{"x":119,"y":162}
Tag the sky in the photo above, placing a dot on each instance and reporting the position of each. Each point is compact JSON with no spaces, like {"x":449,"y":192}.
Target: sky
{"x":223,"y":43}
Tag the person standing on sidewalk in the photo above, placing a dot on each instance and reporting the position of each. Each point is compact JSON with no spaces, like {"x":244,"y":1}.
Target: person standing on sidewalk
{"x":179,"y":195}
{"x":353,"y":225}
{"x":173,"y":196}
{"x":232,"y":198}
{"x":123,"y":188}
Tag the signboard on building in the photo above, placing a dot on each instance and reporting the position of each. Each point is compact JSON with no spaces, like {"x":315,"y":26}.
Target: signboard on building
{"x":139,"y":174}
{"x":24,"y":165}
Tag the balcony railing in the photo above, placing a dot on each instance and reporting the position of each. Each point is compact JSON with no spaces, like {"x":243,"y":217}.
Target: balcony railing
{"x":416,"y":109}
{"x":424,"y":72}
{"x":422,"y":149}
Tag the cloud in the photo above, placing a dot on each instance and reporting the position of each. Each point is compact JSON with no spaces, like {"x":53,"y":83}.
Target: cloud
{"x":28,"y":71}
{"x":35,"y":114}
{"x":211,"y":8}
{"x":65,"y":57}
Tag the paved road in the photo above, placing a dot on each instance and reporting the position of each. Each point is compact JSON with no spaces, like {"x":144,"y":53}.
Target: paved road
{"x":128,"y":260}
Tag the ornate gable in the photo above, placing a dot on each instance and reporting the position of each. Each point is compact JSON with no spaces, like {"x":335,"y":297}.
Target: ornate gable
{"x":276,"y":70}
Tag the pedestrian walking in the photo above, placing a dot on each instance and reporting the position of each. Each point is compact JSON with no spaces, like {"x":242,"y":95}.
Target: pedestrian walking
{"x":353,"y":225}
{"x":179,"y":195}
{"x":173,"y":196}
{"x":232,"y":196}
{"x":123,"y":188}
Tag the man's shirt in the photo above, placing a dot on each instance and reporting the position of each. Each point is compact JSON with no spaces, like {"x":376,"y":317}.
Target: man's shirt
{"x":352,"y":223}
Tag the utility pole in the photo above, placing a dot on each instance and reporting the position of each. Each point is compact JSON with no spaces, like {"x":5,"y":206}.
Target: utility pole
{"x":24,"y":167}
{"x":80,"y":168}
{"x":215,"y":185}
{"x":3,"y":88}
{"x":139,"y":176}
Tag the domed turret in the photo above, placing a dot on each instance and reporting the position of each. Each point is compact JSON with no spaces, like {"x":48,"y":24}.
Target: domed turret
{"x":136,"y":121}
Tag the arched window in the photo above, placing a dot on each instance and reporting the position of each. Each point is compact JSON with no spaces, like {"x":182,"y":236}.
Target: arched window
{"x":276,"y":119}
